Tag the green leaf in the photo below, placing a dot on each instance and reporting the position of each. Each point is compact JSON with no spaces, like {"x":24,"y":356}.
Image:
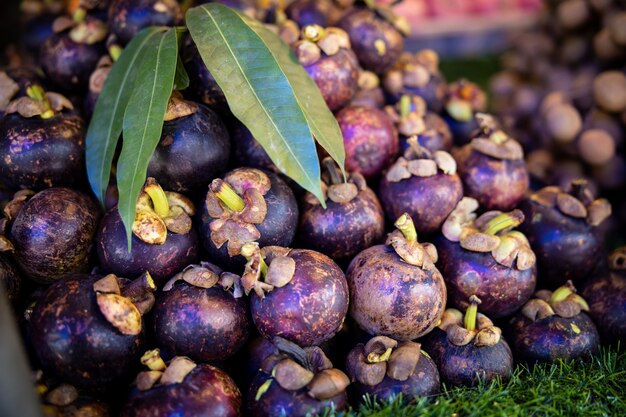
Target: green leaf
{"x":181,"y":80}
{"x":106,"y":124}
{"x":143,"y":120}
{"x":259,"y":92}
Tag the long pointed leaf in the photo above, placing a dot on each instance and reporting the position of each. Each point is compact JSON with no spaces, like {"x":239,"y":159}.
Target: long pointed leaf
{"x":257,"y":89}
{"x":143,"y":120}
{"x":106,"y":124}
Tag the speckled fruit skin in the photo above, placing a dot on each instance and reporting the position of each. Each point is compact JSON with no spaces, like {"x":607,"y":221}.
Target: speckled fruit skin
{"x":566,"y":248}
{"x":439,"y":140}
{"x":390,"y":297}
{"x":128,"y":17}
{"x":192,"y":151}
{"x":496,"y":184}
{"x":162,"y":261}
{"x":280,"y":402}
{"x":206,"y":392}
{"x":553,"y":338}
{"x":461,"y":365}
{"x":424,"y":382}
{"x":205,"y":324}
{"x":53,"y":234}
{"x":311,"y":308}
{"x":9,"y":278}
{"x":606,"y":296}
{"x":429,"y":200}
{"x":38,"y":153}
{"x":502,"y":290}
{"x":342,"y":230}
{"x":337,"y":77}
{"x":74,"y":341}
{"x":364,"y":28}
{"x":202,"y":85}
{"x":312,"y":12}
{"x":433,"y":93}
{"x":370,"y":139}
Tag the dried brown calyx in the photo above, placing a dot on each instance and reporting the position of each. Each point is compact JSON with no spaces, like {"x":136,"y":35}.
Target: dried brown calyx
{"x":334,"y":188}
{"x":492,"y":141}
{"x":463,"y":99}
{"x":161,"y":374}
{"x":382,"y":356}
{"x":404,"y":242}
{"x":124,"y":305}
{"x":386,"y":12}
{"x":316,"y":42}
{"x":178,"y":107}
{"x":266,"y":269}
{"x":408,"y":115}
{"x":412,"y":71}
{"x":159,"y":212}
{"x":578,"y":203}
{"x":10,"y":210}
{"x":37,"y":102}
{"x":8,"y":89}
{"x":473,"y":327}
{"x":236,"y":204}
{"x":563,"y":302}
{"x":207,"y":275}
{"x":294,"y":368}
{"x":100,"y":74}
{"x":82,"y":29}
{"x":418,"y":161}
{"x":617,"y":259}
{"x":491,"y":232}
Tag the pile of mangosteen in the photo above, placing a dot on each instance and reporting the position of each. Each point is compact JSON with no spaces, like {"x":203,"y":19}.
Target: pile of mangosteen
{"x":244,"y":295}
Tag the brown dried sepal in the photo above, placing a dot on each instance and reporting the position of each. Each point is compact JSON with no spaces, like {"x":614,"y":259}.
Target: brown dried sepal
{"x":480,"y":242}
{"x":567,"y":308}
{"x":571,"y":206}
{"x":291,"y":376}
{"x":178,"y":107}
{"x":149,"y":227}
{"x":398,"y":171}
{"x":89,"y":32}
{"x":147,"y":379}
{"x":546,"y":196}
{"x":62,"y":23}
{"x":251,"y":278}
{"x":510,"y":149}
{"x":177,"y":370}
{"x":342,"y":193}
{"x":412,"y":253}
{"x":489,"y":336}
{"x":5,"y":244}
{"x":422,"y":167}
{"x":194,"y":275}
{"x":280,"y":271}
{"x":403,"y":361}
{"x":28,"y":107}
{"x":598,"y":211}
{"x":107,"y":285}
{"x":13,"y":207}
{"x":445,"y":162}
{"x":461,"y":217}
{"x":100,"y":74}
{"x":317,"y":359}
{"x":514,"y":249}
{"x":288,"y":31}
{"x":328,"y":384}
{"x":362,"y":371}
{"x":308,"y":52}
{"x":459,"y":335}
{"x":482,"y":321}
{"x":451,"y":316}
{"x":537,"y":309}
{"x":236,"y":233}
{"x":8,"y":89}
{"x":120,"y":312}
{"x":379,"y":348}
{"x":617,"y":259}
{"x":62,"y":395}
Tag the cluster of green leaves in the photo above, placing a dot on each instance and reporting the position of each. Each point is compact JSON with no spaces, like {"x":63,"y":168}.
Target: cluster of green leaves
{"x":265,"y":86}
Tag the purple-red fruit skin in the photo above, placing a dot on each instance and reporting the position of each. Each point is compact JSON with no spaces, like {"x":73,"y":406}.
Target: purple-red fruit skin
{"x":128,"y":17}
{"x":202,"y":84}
{"x":9,"y":278}
{"x":337,"y":77}
{"x":248,"y":151}
{"x":311,"y":12}
{"x":606,"y":296}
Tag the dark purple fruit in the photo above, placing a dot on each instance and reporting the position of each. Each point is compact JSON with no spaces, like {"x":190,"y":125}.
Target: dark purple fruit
{"x":352,"y":221}
{"x":200,"y":315}
{"x":395,"y":289}
{"x":96,"y":81}
{"x":313,"y":12}
{"x":194,"y":147}
{"x":248,"y":205}
{"x":41,"y":142}
{"x":370,"y":139}
{"x":553,"y":326}
{"x":462,"y":101}
{"x":182,"y":389}
{"x":484,"y":257}
{"x":424,"y":185}
{"x":369,"y":93}
{"x":252,"y":356}
{"x":384,"y":368}
{"x":53,"y":234}
{"x":163,"y":241}
{"x":61,"y":400}
{"x":87,"y":331}
{"x":468,"y":350}
{"x":128,"y":17}
{"x":9,"y":277}
{"x":14,"y":81}
{"x":563,"y":230}
{"x":248,"y":151}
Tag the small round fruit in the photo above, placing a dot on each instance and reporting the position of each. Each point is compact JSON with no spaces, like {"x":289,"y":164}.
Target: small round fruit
{"x":128,"y":17}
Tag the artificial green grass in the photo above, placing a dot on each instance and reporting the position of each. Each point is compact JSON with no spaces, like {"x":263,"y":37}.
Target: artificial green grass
{"x":596,"y":387}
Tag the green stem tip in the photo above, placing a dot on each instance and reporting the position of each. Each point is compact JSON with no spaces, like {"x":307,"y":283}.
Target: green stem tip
{"x":405,"y":105}
{"x":115,"y":51}
{"x":504,"y":221}
{"x":406,"y":226}
{"x":469,"y":321}
{"x":158,"y":197}
{"x":227,"y":195}
{"x":248,"y":250}
{"x":37,"y":93}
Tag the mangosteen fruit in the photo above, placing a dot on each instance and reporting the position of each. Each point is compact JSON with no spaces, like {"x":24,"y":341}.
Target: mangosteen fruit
{"x":297,"y":382}
{"x":128,"y":17}
{"x":395,"y":289}
{"x":70,"y":55}
{"x":182,"y":388}
{"x":13,"y":84}
{"x":163,"y":241}
{"x":383,"y":368}
{"x":423,"y":184}
{"x":42,"y":142}
{"x":552,"y":326}
{"x":463,"y":99}
{"x":606,"y":295}
{"x":468,"y":349}
{"x":376,"y":35}
{"x":369,"y":93}
{"x":352,"y":221}
{"x":327,"y":57}
{"x":370,"y":139}
{"x":492,"y":167}
{"x":564,"y":230}
{"x":96,"y":82}
{"x":559,"y":122}
{"x":313,"y":12}
{"x":248,"y":151}
{"x":485,"y":257}
{"x":65,"y":400}
{"x":88,"y":330}
{"x":201,"y":314}
{"x":298,"y":294}
{"x":252,"y":356}
{"x":9,"y":276}
{"x":247,"y":205}
{"x":194,"y":147}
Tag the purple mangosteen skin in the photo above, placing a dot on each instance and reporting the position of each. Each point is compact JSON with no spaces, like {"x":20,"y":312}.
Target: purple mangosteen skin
{"x":342,"y":230}
{"x":311,"y":12}
{"x":280,"y":402}
{"x":192,"y":151}
{"x":501,"y":289}
{"x":462,"y":365}
{"x":433,"y":93}
{"x":161,"y":261}
{"x":42,"y":153}
{"x":553,"y":338}
{"x":205,"y":324}
{"x":74,"y":341}
{"x":441,"y":140}
{"x":202,"y":85}
{"x":205,"y":392}
{"x":566,"y":248}
{"x":128,"y":17}
{"x":311,"y":308}
{"x":248,"y":151}
{"x":10,"y":278}
{"x":337,"y":77}
{"x":429,"y":200}
{"x":462,"y":131}
{"x":250,"y":359}
{"x":606,"y":296}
